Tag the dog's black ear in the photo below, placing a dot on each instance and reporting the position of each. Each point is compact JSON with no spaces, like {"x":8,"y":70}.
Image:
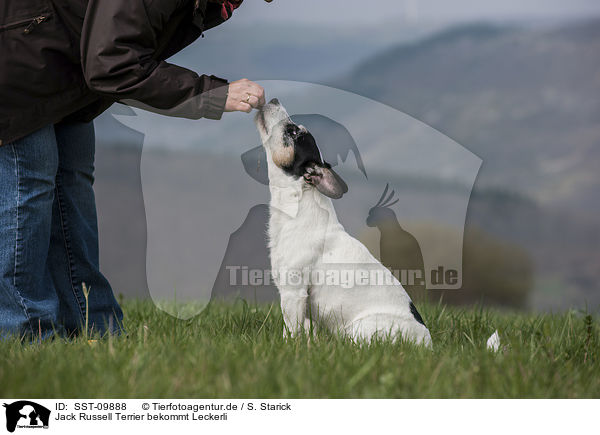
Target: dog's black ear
{"x":325,"y":180}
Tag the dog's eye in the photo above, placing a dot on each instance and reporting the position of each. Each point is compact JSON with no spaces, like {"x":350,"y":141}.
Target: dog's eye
{"x":293,"y":132}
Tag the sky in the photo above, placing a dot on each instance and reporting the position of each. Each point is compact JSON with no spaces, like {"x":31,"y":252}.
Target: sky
{"x":355,"y":11}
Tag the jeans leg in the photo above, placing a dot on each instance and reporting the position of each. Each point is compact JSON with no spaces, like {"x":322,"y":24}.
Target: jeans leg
{"x":73,"y":256}
{"x":28,"y":305}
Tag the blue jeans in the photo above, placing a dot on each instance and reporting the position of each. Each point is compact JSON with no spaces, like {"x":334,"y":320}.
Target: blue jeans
{"x":49,"y":236}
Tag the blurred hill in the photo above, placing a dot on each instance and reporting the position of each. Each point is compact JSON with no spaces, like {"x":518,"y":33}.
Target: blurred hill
{"x":291,"y":51}
{"x":525,"y":101}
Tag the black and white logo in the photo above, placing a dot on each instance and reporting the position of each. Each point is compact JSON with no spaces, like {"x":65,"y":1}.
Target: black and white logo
{"x":25,"y":414}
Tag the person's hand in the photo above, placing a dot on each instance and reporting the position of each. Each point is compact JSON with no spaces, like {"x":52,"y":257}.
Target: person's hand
{"x":244,"y":96}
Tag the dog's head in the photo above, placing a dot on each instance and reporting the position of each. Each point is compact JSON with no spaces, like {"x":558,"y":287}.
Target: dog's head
{"x":293,"y":151}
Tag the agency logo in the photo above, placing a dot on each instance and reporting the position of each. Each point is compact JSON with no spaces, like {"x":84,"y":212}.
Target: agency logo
{"x":207,"y":214}
{"x":26,"y":415}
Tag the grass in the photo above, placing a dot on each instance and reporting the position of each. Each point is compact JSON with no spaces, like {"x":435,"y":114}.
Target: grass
{"x":239,"y":351}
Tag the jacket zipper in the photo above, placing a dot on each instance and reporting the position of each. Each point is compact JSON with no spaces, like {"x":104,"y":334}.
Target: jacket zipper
{"x":36,"y":22}
{"x":31,"y":24}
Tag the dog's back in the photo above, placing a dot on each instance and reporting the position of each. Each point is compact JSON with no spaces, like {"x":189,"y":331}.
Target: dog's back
{"x":362,"y":296}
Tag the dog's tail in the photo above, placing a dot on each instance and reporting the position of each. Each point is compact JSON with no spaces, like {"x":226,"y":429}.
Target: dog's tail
{"x":416,"y":315}
{"x":493,"y":343}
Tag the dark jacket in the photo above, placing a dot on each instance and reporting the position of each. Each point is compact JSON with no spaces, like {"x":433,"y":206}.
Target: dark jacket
{"x":71,"y":59}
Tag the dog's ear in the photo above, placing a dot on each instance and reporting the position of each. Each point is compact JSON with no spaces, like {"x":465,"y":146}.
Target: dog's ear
{"x":325,"y":180}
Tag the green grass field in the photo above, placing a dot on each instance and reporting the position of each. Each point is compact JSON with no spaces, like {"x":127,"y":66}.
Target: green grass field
{"x":239,"y":351}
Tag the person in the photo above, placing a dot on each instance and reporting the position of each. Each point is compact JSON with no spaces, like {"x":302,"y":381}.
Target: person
{"x":63,"y":63}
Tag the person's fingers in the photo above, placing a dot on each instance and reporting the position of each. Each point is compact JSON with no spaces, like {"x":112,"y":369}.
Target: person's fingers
{"x":256,"y":90}
{"x":245,"y":107}
{"x":261,"y":99}
{"x":249,"y":99}
{"x":259,"y":92}
{"x":253,"y":101}
{"x":244,"y":95}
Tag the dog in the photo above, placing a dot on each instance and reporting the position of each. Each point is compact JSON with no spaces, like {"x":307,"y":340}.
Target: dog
{"x":310,"y":250}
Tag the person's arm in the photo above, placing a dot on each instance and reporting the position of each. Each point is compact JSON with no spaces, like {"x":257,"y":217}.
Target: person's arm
{"x":118,"y":42}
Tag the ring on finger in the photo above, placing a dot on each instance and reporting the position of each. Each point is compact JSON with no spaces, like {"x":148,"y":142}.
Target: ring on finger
{"x":248,"y":98}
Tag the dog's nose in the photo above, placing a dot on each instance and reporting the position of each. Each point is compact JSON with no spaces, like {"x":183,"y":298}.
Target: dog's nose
{"x":274,"y":101}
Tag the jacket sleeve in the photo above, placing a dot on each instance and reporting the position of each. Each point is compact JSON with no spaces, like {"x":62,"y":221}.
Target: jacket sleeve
{"x":118,"y":42}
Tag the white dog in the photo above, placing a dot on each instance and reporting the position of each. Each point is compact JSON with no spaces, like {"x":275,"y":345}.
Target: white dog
{"x":311,"y":252}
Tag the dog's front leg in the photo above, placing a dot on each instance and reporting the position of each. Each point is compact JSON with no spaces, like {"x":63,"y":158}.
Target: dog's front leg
{"x":293,"y":308}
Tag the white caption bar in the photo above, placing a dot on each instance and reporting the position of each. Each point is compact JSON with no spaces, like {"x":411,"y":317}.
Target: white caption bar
{"x":22,"y":416}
